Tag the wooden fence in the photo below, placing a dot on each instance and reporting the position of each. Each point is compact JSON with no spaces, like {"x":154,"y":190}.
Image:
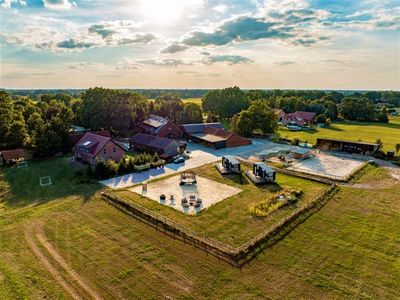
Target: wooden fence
{"x":235,"y":256}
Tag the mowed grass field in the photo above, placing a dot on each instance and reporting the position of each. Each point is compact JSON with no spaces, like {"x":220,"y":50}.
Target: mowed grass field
{"x":347,"y":250}
{"x":230,"y":221}
{"x":353,"y":131}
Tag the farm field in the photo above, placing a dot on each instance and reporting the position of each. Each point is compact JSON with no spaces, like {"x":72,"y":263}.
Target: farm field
{"x":354,"y":131}
{"x":230,"y":221}
{"x":192,"y":100}
{"x":348,"y":249}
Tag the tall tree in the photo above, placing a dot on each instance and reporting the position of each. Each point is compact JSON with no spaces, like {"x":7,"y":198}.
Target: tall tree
{"x":192,"y":113}
{"x":6,"y":117}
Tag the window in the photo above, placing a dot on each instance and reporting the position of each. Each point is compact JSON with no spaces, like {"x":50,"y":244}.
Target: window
{"x":104,"y":151}
{"x":115,"y":149}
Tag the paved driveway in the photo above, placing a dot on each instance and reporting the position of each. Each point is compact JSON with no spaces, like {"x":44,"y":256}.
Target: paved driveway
{"x":198,"y":158}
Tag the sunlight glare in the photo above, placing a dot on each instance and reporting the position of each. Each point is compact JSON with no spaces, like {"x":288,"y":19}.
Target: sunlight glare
{"x":167,"y":12}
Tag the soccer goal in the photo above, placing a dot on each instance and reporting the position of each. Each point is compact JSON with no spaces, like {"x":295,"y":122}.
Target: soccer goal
{"x":22,"y":164}
{"x":45,"y":181}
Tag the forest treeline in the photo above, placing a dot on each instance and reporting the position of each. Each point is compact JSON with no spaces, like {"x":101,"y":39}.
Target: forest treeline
{"x":42,"y":122}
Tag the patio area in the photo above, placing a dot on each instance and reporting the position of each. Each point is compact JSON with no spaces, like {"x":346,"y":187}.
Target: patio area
{"x":210,"y":192}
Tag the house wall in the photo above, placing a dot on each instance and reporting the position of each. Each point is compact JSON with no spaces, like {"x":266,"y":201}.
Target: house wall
{"x":237,"y":141}
{"x":171,"y":131}
{"x":111,"y":151}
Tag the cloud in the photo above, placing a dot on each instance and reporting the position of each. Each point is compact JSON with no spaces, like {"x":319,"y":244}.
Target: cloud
{"x":174,"y":48}
{"x":58,"y":4}
{"x":83,"y":65}
{"x":165,"y":62}
{"x":139,"y":38}
{"x":221,"y":8}
{"x":230,"y":59}
{"x":285,"y":63}
{"x":8,"y":3}
{"x":74,"y":44}
{"x":101,"y":30}
{"x":292,"y":22}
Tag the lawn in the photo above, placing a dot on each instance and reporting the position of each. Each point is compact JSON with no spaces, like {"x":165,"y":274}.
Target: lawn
{"x":25,"y":187}
{"x":230,"y":221}
{"x":347,"y":250}
{"x":354,"y":131}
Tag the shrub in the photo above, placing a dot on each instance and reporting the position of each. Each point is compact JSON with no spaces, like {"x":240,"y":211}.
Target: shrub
{"x":296,"y":141}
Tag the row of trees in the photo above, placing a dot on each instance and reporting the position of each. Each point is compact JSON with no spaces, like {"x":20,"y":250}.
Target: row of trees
{"x":226,"y":103}
{"x":41,"y":126}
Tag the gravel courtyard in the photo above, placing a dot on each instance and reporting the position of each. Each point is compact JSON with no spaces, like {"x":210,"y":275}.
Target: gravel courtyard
{"x":211,"y":192}
{"x":327,"y":165}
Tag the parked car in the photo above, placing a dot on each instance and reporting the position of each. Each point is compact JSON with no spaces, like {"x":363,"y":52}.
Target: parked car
{"x":178,"y":160}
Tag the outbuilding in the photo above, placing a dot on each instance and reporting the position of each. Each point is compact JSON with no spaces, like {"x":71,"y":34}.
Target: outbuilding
{"x":363,"y":148}
{"x":165,"y":147}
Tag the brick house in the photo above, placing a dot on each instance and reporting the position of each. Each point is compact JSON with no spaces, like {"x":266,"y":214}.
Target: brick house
{"x":94,"y":147}
{"x":13,"y":156}
{"x":159,"y":126}
{"x":299,"y":118}
{"x":165,"y":147}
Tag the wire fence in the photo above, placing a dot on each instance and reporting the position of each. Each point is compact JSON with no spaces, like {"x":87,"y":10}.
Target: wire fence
{"x":235,"y":256}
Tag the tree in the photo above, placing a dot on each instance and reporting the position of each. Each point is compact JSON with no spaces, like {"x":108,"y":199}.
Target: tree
{"x":383,"y":116}
{"x":171,"y":106}
{"x":6,"y":116}
{"x":321,"y":119}
{"x":259,"y":116}
{"x":48,"y":144}
{"x":192,"y":113}
{"x":397,"y":148}
{"x":360,"y":109}
{"x":18,"y":135}
{"x":110,"y":109}
{"x":225,"y":103}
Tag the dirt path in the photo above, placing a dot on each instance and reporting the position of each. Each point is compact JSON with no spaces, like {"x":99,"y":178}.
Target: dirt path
{"x":37,"y":230}
{"x":48,"y":265}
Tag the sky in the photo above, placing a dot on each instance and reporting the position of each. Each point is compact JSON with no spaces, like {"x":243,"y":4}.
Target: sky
{"x":286,"y":44}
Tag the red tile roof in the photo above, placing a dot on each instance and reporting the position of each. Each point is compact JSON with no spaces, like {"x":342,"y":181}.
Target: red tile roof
{"x":75,"y":137}
{"x":13,"y":154}
{"x":94,"y":142}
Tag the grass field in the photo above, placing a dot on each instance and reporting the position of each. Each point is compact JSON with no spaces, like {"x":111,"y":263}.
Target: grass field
{"x":347,"y":250}
{"x":192,"y":100}
{"x":354,"y":131}
{"x":230,"y":221}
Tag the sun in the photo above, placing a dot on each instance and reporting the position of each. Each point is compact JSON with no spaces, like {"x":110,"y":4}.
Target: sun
{"x":167,"y":12}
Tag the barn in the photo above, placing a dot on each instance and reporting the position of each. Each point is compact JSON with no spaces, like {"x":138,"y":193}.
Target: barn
{"x":160,"y":126}
{"x":166,"y":148}
{"x":363,"y":148}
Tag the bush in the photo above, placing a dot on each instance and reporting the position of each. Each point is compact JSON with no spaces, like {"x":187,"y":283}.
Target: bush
{"x":296,"y":141}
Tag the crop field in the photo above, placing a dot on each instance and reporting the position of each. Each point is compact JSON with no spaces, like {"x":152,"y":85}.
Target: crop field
{"x":354,"y":131}
{"x":230,"y":221}
{"x":80,"y":246}
{"x":192,"y":100}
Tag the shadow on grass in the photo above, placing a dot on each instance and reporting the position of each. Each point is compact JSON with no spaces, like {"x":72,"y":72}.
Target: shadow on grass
{"x":270,"y":187}
{"x":239,"y":179}
{"x":25,"y":188}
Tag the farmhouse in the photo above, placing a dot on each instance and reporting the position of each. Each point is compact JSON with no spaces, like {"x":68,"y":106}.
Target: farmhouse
{"x":166,"y":148}
{"x":213,"y":135}
{"x":299,"y":118}
{"x":13,"y":156}
{"x":159,"y":126}
{"x":347,"y":146}
{"x":75,"y":137}
{"x":94,"y":147}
